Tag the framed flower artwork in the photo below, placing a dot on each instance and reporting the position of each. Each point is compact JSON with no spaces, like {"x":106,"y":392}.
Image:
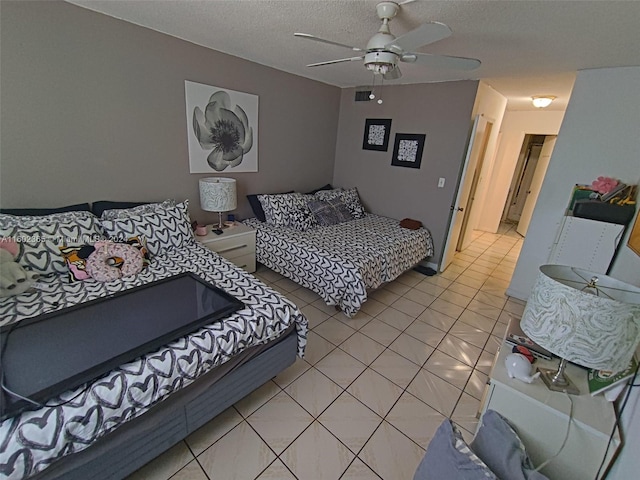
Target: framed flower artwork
{"x":222,"y":129}
{"x":407,"y":150}
{"x":376,"y":134}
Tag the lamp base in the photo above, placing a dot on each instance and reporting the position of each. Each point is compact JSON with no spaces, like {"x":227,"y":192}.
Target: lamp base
{"x":549,"y":377}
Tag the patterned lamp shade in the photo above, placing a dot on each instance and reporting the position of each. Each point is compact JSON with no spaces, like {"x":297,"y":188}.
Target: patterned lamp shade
{"x":218,"y":194}
{"x":586,"y":318}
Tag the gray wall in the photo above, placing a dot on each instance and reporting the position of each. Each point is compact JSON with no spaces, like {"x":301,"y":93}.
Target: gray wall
{"x":93,"y":108}
{"x":440,"y":110}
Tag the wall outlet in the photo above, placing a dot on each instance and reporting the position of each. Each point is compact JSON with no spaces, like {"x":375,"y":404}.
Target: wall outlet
{"x":441,"y":182}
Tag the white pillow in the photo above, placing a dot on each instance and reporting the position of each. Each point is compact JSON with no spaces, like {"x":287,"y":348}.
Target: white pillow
{"x":287,"y":210}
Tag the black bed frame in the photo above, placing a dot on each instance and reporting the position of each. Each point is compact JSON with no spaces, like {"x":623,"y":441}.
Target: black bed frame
{"x":139,"y":441}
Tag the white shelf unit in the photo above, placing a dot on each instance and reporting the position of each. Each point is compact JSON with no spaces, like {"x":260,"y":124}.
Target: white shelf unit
{"x":541,"y":418}
{"x":587,"y":244}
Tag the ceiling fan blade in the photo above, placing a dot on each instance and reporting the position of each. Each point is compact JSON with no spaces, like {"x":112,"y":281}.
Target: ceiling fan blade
{"x":423,"y":35}
{"x":441,"y":61}
{"x":341,"y":60}
{"x":330,"y":42}
{"x":393,"y":74}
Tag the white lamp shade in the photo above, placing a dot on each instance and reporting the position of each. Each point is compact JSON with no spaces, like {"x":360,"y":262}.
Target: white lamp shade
{"x":218,"y":194}
{"x":596,"y":331}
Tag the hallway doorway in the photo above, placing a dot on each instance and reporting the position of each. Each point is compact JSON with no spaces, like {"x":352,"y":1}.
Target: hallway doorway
{"x":527,"y":180}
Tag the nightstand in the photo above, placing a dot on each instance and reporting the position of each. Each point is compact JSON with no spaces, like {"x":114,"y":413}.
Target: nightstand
{"x":541,"y":417}
{"x":236,"y":243}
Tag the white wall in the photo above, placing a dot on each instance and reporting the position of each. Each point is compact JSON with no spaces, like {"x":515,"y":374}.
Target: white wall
{"x":599,"y":136}
{"x":492,"y":106}
{"x":514,"y":127}
{"x":628,"y":463}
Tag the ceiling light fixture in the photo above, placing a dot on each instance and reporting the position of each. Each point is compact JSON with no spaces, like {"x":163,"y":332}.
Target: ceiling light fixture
{"x":542,"y":101}
{"x":380,"y":63}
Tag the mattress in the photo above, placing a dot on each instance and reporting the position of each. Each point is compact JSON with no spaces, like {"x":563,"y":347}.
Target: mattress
{"x":341,"y":262}
{"x":29,"y":442}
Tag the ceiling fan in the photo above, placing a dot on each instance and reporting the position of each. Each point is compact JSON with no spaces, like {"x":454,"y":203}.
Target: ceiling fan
{"x":384,"y":51}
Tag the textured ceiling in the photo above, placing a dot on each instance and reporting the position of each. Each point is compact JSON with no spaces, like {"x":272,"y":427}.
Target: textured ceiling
{"x":526,"y":47}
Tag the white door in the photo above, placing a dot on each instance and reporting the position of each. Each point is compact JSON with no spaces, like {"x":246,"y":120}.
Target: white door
{"x":464,"y":188}
{"x":523,"y":187}
{"x":470,"y":214}
{"x":536,"y":184}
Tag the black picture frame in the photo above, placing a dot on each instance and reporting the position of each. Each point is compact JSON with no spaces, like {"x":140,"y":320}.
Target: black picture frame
{"x":373,"y":129}
{"x":408,"y":149}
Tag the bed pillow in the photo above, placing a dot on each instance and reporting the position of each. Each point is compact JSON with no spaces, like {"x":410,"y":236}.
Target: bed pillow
{"x":349,"y":196}
{"x":449,"y":457}
{"x":256,"y":206}
{"x":123,"y":211}
{"x":163,"y":230}
{"x":40,"y":238}
{"x":352,"y":200}
{"x":287,"y":210}
{"x":99,"y":207}
{"x":500,"y":447}
{"x":329,"y":212}
{"x":80,"y":207}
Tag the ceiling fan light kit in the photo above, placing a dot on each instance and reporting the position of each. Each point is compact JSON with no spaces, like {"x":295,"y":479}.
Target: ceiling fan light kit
{"x":384,"y":51}
{"x":380,"y":62}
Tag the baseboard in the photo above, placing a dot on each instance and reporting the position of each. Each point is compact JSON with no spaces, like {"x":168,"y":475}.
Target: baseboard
{"x":429,"y":264}
{"x":517,"y":294}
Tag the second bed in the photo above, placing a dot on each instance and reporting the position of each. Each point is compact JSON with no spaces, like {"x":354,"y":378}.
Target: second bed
{"x":341,"y":262}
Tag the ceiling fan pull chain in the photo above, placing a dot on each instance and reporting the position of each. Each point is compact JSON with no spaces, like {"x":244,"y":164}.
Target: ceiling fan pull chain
{"x":372,"y":95}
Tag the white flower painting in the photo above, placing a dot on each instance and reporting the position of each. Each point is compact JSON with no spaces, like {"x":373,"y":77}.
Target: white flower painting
{"x":222,"y":129}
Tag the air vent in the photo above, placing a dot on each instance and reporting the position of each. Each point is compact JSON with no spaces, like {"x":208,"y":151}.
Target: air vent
{"x":363,"y":96}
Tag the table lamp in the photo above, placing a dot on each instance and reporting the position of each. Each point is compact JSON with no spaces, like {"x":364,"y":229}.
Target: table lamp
{"x":586,"y":318}
{"x":218,"y":194}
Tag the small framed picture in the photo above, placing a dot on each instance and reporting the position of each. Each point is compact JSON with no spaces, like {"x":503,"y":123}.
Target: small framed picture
{"x":407,"y":150}
{"x":376,"y":134}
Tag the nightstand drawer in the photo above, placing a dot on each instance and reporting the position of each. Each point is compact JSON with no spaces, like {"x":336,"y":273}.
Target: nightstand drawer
{"x":237,"y":246}
{"x":247,"y":262}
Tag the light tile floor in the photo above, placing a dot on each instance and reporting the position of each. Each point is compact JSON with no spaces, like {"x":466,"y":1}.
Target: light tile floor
{"x":372,"y":390}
